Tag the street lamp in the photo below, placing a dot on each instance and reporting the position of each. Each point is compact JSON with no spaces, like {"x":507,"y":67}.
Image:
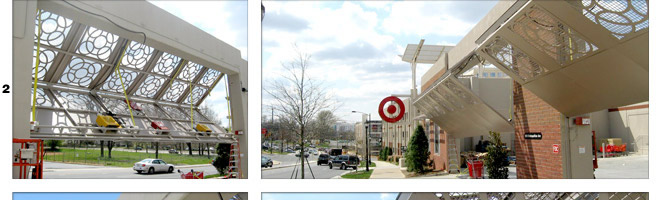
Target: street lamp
{"x":367,"y":148}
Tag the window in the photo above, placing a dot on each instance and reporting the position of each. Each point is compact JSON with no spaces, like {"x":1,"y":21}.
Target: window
{"x":484,"y":74}
{"x":427,"y":126}
{"x":492,"y":74}
{"x":436,"y":139}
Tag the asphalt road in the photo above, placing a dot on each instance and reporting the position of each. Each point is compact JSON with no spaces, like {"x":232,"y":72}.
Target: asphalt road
{"x":320,"y":172}
{"x":288,"y":159}
{"x":53,"y":170}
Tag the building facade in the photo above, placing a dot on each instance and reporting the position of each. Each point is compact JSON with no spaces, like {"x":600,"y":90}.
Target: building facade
{"x":374,"y":138}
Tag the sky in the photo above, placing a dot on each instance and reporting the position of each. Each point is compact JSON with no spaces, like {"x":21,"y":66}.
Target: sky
{"x":65,"y":196}
{"x":329,"y":196}
{"x":227,"y":21}
{"x":355,"y":45}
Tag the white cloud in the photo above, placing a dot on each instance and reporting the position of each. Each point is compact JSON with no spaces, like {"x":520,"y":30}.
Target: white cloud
{"x":225,"y":20}
{"x":424,"y":18}
{"x":354,"y":45}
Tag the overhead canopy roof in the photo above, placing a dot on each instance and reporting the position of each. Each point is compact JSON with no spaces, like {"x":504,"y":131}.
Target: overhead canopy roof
{"x":459,"y":111}
{"x":578,"y":56}
{"x":428,"y":54}
{"x":77,"y":78}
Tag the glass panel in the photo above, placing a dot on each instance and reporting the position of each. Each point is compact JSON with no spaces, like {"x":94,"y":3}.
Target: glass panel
{"x":620,"y":17}
{"x":136,"y":55}
{"x":549,"y":35}
{"x":97,"y":43}
{"x":166,"y":64}
{"x":54,"y":29}
{"x":80,"y":72}
{"x":150,"y":86}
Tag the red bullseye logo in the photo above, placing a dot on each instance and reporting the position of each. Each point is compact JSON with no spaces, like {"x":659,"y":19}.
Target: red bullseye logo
{"x":394,"y":111}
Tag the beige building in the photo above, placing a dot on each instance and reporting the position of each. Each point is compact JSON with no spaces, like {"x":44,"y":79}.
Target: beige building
{"x":375,"y":136}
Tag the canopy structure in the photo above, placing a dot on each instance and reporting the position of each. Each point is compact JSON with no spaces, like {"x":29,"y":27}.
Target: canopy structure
{"x":426,"y":54}
{"x":81,"y":62}
{"x":459,"y":111}
{"x":578,"y":56}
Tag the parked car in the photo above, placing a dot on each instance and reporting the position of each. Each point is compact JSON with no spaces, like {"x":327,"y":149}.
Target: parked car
{"x":153,"y":165}
{"x":138,"y":148}
{"x":323,"y":159}
{"x":345,"y":161}
{"x":298,"y":154}
{"x":267,"y":162}
{"x":289,"y":150}
{"x":265,"y":147}
{"x":173,"y":151}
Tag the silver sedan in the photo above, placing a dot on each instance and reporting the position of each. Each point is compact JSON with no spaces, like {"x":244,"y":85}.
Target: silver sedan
{"x":153,"y":165}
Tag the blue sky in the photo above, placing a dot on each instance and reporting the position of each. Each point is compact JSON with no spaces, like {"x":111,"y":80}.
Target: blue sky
{"x":329,"y":196}
{"x":355,"y":45}
{"x":227,"y":21}
{"x":65,"y":196}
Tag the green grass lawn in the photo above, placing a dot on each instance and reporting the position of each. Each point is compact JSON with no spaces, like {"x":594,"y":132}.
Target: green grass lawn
{"x":213,"y":176}
{"x":358,"y":175}
{"x":275,"y":152}
{"x":121,"y":158}
{"x":372,"y":164}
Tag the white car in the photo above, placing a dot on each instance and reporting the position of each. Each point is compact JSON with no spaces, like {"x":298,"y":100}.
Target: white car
{"x":153,"y":165}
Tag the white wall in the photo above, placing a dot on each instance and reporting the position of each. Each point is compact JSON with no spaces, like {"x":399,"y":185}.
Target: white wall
{"x":632,"y":127}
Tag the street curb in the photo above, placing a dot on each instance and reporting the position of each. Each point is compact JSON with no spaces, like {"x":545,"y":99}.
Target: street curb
{"x":191,"y":166}
{"x":284,"y":166}
{"x":340,"y":176}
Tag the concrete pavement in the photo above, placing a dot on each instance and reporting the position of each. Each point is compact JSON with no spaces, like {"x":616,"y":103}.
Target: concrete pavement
{"x":634,"y":166}
{"x":386,"y":170}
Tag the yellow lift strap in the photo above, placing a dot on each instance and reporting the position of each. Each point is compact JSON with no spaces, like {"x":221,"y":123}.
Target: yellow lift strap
{"x":117,"y":71}
{"x":227,"y":97}
{"x":36,"y":70}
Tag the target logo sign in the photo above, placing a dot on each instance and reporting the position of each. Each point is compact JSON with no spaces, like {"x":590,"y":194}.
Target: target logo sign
{"x":391,"y":109}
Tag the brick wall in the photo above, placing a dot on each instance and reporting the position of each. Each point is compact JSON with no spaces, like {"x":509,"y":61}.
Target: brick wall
{"x":440,"y":160}
{"x":535,"y":158}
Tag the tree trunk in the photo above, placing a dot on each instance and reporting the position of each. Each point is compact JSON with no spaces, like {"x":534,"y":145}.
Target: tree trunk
{"x":190,"y":149}
{"x":208,"y":154}
{"x":301,"y":152}
{"x":157,"y":150}
{"x":110,"y":148}
{"x":101,"y":148}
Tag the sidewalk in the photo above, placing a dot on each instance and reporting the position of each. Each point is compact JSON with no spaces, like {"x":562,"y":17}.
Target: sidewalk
{"x":386,"y":170}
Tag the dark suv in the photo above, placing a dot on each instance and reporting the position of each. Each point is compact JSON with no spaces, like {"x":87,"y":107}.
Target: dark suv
{"x":344,"y":161}
{"x":323,"y":159}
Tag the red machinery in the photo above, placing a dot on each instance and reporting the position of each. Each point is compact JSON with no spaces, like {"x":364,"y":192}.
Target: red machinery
{"x":193,"y":175}
{"x":29,"y":158}
{"x":134,"y":105}
{"x":595,"y":152}
{"x":158,"y":125}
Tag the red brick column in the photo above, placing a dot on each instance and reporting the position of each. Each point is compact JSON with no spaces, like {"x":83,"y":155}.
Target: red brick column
{"x":535,"y":158}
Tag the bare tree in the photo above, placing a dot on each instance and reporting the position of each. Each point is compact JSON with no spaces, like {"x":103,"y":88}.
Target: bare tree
{"x":324,"y":126}
{"x":298,"y":97}
{"x":210,"y":113}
